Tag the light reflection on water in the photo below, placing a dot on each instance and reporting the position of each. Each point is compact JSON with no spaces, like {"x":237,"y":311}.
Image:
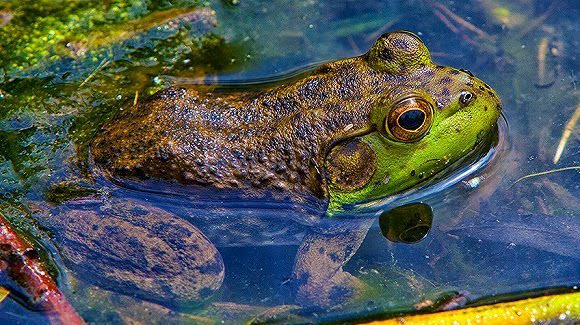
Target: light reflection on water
{"x":490,"y":236}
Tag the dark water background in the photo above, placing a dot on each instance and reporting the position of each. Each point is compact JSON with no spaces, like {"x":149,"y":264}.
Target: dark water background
{"x":493,"y":234}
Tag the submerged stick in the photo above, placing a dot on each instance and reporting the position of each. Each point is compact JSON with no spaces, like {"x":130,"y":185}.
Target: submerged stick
{"x":352,"y":44}
{"x":446,"y":21}
{"x":566,"y":134}
{"x":540,"y":20}
{"x":445,"y":17}
{"x":374,"y":35}
{"x":542,"y":52}
{"x":23,"y":267}
{"x":462,"y":22}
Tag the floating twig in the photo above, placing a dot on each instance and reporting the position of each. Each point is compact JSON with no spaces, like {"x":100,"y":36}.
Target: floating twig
{"x":546,"y":172}
{"x":101,"y":65}
{"x":566,"y":134}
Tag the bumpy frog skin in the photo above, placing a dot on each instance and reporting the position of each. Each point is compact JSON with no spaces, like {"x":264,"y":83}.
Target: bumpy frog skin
{"x":356,"y":130}
{"x":285,"y":139}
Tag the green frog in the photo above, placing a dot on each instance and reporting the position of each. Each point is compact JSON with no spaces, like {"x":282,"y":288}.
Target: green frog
{"x":187,"y":171}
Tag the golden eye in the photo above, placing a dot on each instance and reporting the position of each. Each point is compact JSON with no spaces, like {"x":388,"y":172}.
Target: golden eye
{"x":409,"y":120}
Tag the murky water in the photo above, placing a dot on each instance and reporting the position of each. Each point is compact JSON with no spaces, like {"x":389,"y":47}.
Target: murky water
{"x":508,"y":225}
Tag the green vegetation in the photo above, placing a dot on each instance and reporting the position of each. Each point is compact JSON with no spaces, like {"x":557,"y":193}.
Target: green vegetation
{"x":68,"y":66}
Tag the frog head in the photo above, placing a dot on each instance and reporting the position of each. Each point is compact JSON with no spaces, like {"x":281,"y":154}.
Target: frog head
{"x":425,"y":118}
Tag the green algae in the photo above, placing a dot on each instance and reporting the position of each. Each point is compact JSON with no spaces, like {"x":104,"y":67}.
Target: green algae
{"x":45,"y":31}
{"x":68,"y":66}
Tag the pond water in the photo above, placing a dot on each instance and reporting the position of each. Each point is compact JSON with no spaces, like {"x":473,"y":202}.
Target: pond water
{"x":505,"y":224}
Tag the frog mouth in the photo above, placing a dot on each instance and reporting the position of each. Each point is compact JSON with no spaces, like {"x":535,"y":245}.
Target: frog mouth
{"x":483,"y":154}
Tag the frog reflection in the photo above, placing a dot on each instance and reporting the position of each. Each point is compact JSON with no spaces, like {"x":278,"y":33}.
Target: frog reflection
{"x":184,"y":171}
{"x":408,"y":224}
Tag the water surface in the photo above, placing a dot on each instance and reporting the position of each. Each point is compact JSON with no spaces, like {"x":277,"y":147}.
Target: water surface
{"x":509,"y":227}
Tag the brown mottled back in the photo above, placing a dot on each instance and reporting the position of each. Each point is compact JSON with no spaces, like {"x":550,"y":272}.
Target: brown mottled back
{"x":276,"y":139}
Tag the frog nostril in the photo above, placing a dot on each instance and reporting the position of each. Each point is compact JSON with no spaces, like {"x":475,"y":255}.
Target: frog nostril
{"x":499,"y":107}
{"x":465,"y":98}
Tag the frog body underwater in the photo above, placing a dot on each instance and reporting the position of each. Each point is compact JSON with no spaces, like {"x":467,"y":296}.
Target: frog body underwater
{"x":355,"y":130}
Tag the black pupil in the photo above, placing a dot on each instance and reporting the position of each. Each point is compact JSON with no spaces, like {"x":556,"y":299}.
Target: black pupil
{"x":412,"y":119}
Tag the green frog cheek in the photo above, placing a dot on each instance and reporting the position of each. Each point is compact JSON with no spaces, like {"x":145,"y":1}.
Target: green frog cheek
{"x":387,"y":167}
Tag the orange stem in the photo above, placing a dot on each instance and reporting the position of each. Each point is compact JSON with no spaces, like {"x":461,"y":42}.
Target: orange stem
{"x":24,"y":267}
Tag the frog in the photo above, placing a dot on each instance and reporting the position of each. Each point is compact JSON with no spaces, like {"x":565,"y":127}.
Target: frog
{"x":188,"y":171}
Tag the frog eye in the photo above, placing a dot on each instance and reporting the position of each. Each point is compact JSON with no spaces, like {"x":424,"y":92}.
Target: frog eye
{"x":465,"y":97}
{"x":409,"y":120}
